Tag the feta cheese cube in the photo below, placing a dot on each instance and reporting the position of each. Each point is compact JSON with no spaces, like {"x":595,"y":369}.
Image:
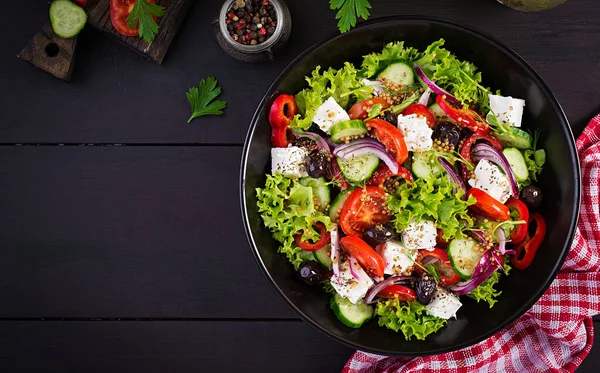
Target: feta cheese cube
{"x":443,"y":305}
{"x":417,"y":134}
{"x":508,"y":110}
{"x":328,"y":114}
{"x":349,"y":287}
{"x":289,"y":161}
{"x":420,"y":235}
{"x":490,"y":179}
{"x":397,"y":258}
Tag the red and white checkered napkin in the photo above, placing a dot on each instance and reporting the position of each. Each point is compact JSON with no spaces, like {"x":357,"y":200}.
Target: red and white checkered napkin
{"x":557,"y":333}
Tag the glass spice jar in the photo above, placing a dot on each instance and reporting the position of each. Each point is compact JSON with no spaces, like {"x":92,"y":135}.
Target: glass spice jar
{"x":240,"y":37}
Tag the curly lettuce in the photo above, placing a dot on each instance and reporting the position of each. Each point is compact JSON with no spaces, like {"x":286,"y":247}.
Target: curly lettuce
{"x":409,"y":318}
{"x":432,"y":198}
{"x":287,"y":208}
{"x":339,"y":84}
{"x":486,"y":292}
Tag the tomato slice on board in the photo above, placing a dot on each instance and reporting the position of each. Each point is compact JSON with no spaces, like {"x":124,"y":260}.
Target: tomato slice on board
{"x":488,"y":205}
{"x":119,"y":11}
{"x":366,"y":256}
{"x":390,"y":136}
{"x":402,"y":293}
{"x":365,"y":207}
{"x":361,"y":109}
{"x":324,"y":238}
{"x":420,"y":110}
{"x":519,"y":211}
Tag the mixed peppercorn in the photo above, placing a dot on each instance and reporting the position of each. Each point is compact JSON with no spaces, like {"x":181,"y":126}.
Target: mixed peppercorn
{"x":251,"y":22}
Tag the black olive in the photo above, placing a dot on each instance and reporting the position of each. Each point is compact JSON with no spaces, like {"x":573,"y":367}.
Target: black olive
{"x":446,"y":132}
{"x":465,"y":133}
{"x":378,"y":234}
{"x":425,"y":288}
{"x":532,"y":197}
{"x":390,"y":117}
{"x":312,"y":273}
{"x":317,"y":164}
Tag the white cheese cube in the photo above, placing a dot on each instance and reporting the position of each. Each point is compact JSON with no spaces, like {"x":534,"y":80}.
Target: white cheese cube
{"x":328,"y":114}
{"x":443,"y":305}
{"x":397,"y":258}
{"x":417,"y":134}
{"x":420,"y":235}
{"x":349,"y":287}
{"x":509,"y":110}
{"x":490,"y":179}
{"x":289,"y":161}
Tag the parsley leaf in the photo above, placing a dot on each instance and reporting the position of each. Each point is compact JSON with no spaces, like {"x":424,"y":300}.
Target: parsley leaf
{"x":142,"y":14}
{"x":349,"y":11}
{"x":200,"y":99}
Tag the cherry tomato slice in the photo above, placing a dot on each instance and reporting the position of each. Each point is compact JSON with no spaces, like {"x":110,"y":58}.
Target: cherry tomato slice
{"x":361,"y":109}
{"x":488,"y":205}
{"x":366,"y":256}
{"x":364,"y":208}
{"x":399,"y":292}
{"x":420,"y":110}
{"x":444,"y":268}
{"x":383,"y":173}
{"x":119,"y":11}
{"x":390,"y":136}
{"x":281,"y":114}
{"x":518,"y":211}
{"x":324,"y":238}
{"x":527,"y":249}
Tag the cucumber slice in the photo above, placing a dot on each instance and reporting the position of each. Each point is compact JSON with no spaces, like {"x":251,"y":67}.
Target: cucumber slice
{"x":350,"y":314}
{"x":424,"y":164}
{"x":307,"y":255}
{"x":358,"y":169}
{"x":517,"y":163}
{"x":338,"y":203}
{"x":439,"y":114}
{"x":347,"y":130}
{"x":464,"y":256}
{"x":516,"y":139}
{"x":67,"y":18}
{"x":323,"y":256}
{"x":398,"y":73}
{"x":320,"y":190}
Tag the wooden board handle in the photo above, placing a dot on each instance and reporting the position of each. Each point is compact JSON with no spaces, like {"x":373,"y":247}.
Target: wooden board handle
{"x":50,"y":53}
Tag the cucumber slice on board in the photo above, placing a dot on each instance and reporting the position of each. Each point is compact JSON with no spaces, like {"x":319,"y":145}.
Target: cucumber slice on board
{"x":347,"y":130}
{"x":350,"y":314}
{"x":358,"y":169}
{"x":67,"y":18}
{"x":464,"y":256}
{"x":398,"y":73}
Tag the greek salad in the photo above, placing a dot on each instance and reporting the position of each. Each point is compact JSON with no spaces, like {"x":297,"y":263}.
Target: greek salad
{"x":403,"y":186}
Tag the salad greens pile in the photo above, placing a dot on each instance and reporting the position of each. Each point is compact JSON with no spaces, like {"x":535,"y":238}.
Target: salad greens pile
{"x":409,"y":318}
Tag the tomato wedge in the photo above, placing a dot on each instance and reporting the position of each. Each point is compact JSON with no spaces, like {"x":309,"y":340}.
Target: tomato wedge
{"x":361,"y":109}
{"x":527,"y":249}
{"x":364,"y":208}
{"x":119,"y":11}
{"x":518,"y":211}
{"x":383,"y":173}
{"x":488,"y":205}
{"x":420,"y":110}
{"x":439,"y":258}
{"x":324,"y":238}
{"x":399,"y":292}
{"x":390,"y":136}
{"x":366,"y":256}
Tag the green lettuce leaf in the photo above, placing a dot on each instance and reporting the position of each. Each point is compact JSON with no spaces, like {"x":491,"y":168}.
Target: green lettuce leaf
{"x":392,"y":52}
{"x":534,"y":159}
{"x":410,"y":318}
{"x":431,"y":198}
{"x":340,"y":84}
{"x":287,"y":208}
{"x":486,"y":292}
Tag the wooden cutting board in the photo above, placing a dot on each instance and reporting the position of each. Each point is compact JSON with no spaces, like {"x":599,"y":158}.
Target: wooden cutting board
{"x":55,"y":55}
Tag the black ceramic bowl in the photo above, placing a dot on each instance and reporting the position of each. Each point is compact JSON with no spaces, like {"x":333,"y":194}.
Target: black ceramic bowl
{"x":502,"y":69}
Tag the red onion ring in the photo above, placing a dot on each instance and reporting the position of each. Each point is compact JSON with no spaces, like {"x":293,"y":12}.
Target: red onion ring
{"x":370,"y":296}
{"x":435,"y":88}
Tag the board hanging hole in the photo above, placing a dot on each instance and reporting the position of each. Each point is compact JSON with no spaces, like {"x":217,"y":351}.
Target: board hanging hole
{"x":52,"y":50}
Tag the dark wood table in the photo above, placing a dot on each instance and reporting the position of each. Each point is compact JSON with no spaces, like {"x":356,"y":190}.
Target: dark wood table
{"x":122,"y":248}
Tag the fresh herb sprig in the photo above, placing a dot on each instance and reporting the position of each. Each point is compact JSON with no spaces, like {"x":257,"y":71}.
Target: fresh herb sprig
{"x":143,"y":13}
{"x":200,"y":99}
{"x":349,"y":12}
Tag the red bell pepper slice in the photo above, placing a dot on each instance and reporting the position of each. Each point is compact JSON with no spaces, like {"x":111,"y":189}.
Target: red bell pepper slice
{"x":527,"y":249}
{"x":447,"y":275}
{"x":488,"y":205}
{"x":281,"y":114}
{"x":324,"y":238}
{"x":383,"y":172}
{"x":518,"y":211}
{"x":466,"y":117}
